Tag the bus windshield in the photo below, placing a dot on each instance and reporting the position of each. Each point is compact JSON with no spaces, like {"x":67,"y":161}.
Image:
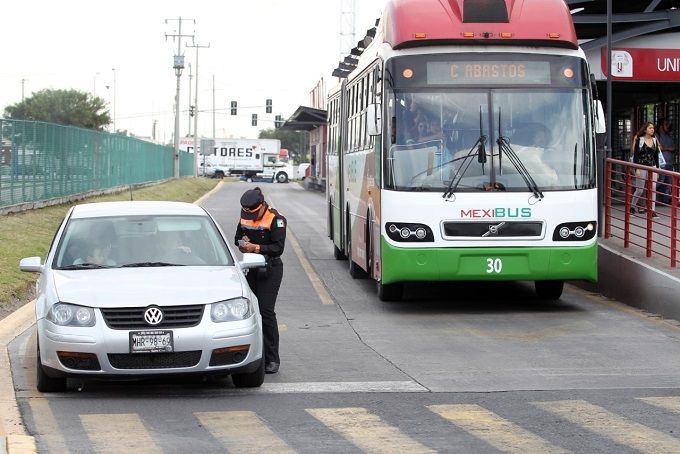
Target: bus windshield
{"x":489,"y":138}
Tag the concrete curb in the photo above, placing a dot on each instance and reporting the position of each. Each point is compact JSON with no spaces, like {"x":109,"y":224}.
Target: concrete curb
{"x":16,"y":439}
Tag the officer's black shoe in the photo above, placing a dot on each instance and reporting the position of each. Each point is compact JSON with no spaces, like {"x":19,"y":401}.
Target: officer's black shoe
{"x":271,"y":368}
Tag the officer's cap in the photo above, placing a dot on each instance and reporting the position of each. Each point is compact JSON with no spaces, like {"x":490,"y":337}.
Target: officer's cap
{"x":251,"y":200}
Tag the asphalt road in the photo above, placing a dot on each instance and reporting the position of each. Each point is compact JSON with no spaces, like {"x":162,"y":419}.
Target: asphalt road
{"x":453,"y":368}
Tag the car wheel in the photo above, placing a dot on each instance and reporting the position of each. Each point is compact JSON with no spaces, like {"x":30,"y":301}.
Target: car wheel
{"x":44,"y":382}
{"x":390,"y":292}
{"x":549,"y":290}
{"x":251,"y":380}
{"x":282,"y":177}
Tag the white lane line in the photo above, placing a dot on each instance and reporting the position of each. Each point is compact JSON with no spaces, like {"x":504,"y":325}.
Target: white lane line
{"x":118,"y":433}
{"x":605,"y":423}
{"x":242,"y":432}
{"x":491,"y":428}
{"x":311,"y":274}
{"x":671,"y":403}
{"x":46,"y":425}
{"x":367,"y":431}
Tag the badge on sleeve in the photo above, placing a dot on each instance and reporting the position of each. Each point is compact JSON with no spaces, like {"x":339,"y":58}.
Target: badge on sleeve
{"x":279,"y":223}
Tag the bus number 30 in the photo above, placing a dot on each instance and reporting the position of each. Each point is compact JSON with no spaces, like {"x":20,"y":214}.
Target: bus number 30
{"x":494,"y":265}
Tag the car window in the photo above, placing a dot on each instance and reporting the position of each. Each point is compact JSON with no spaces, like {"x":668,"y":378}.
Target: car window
{"x":142,"y":241}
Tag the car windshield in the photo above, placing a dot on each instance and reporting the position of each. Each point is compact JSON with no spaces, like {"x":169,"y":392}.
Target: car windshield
{"x":141,"y":241}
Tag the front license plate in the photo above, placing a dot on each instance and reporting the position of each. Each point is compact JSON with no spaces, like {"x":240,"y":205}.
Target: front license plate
{"x":150,"y":341}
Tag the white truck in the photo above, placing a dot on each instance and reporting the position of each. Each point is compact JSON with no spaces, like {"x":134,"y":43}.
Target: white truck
{"x":249,"y":158}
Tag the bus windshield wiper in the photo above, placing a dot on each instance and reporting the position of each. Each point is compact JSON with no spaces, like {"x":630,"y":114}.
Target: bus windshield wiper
{"x":504,"y":146}
{"x":479,"y":149}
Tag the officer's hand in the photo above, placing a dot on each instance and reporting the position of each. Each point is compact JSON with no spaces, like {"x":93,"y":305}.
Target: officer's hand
{"x":248,"y":247}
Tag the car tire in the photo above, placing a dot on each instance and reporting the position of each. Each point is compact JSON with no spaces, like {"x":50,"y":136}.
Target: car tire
{"x":46,"y":384}
{"x":250,"y":380}
{"x":549,"y":290}
{"x":390,"y":292}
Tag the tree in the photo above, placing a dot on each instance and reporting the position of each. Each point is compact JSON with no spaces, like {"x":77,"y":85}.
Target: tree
{"x":295,"y":141}
{"x":66,"y":107}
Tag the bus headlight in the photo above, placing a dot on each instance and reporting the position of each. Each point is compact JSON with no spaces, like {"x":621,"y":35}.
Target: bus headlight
{"x":409,"y":233}
{"x":575,"y":231}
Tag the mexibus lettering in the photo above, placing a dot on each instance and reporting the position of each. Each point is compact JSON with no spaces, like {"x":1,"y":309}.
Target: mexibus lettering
{"x":236,"y":152}
{"x":496,"y":213}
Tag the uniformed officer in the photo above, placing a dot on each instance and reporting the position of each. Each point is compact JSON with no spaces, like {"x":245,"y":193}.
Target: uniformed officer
{"x":262,"y":230}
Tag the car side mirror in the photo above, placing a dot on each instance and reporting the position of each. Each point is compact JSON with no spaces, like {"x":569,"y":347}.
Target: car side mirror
{"x":31,"y":265}
{"x":600,"y":120}
{"x":251,"y":260}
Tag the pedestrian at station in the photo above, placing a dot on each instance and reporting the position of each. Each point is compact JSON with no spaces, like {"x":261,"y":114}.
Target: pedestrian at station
{"x":645,"y":150}
{"x":262,"y":230}
{"x":668,"y":150}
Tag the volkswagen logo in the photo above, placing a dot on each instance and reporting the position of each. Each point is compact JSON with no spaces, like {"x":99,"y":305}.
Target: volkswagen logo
{"x":153,"y":316}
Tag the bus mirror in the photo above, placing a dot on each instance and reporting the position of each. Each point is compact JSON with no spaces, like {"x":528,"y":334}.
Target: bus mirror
{"x":373,"y":120}
{"x":600,"y":120}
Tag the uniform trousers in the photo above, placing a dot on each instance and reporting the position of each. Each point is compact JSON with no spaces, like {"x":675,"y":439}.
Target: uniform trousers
{"x":266,"y":285}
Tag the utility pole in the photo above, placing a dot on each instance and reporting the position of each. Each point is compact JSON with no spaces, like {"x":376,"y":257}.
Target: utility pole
{"x":213,"y":106}
{"x":23,"y":83}
{"x":178,"y":65}
{"x":114,"y":99}
{"x":197,"y":46}
{"x":191,"y":110}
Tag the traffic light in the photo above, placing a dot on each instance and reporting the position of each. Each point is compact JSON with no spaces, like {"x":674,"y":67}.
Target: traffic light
{"x":269,"y":106}
{"x":278,"y":121}
{"x":254,"y":120}
{"x":191,"y":111}
{"x":233,"y":107}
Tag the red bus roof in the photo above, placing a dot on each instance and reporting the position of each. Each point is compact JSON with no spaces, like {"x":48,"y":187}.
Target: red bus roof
{"x":409,"y":23}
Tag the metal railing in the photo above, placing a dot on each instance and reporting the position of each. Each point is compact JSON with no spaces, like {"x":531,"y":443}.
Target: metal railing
{"x":41,"y":161}
{"x":653,"y":228}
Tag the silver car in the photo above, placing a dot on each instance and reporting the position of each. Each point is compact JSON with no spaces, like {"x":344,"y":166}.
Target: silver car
{"x":138,"y":289}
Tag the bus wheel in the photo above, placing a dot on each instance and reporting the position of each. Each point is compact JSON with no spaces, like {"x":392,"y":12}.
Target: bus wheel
{"x":354,"y":270}
{"x":390,"y":292}
{"x":549,"y":290}
{"x":337,"y":253}
{"x":282,"y":177}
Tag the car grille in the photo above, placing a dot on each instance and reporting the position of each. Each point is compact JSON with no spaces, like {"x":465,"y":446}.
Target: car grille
{"x":154,"y":360}
{"x":493,"y":229}
{"x":173,"y":317}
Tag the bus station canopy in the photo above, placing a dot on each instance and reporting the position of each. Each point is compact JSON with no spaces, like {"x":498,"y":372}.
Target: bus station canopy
{"x":305,"y":119}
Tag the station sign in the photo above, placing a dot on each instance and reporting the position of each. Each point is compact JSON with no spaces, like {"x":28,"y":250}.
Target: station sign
{"x":643,"y":64}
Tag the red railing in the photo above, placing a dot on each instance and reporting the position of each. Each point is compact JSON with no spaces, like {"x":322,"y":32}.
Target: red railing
{"x":655,"y":235}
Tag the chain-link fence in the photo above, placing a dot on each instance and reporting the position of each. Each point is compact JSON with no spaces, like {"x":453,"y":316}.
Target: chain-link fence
{"x":41,"y":161}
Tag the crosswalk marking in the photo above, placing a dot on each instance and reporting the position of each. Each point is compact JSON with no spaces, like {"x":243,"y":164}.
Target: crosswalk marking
{"x":47,"y":425}
{"x":367,"y":431}
{"x":620,"y":429}
{"x":667,"y":403}
{"x":116,"y":433}
{"x":498,"y":432}
{"x":242,"y":432}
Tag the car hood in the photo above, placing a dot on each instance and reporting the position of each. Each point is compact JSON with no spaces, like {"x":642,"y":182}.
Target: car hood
{"x":140,"y":287}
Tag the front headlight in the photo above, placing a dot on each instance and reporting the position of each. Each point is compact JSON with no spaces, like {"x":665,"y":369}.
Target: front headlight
{"x":64,"y":314}
{"x":231,"y":310}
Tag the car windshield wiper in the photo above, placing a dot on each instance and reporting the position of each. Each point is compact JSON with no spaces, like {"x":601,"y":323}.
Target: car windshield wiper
{"x":148,"y":264}
{"x":84,"y":266}
{"x":477,"y":148}
{"x":504,"y":146}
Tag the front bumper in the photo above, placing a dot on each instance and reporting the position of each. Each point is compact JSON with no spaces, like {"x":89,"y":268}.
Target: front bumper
{"x":471,"y":264}
{"x":192,"y":353}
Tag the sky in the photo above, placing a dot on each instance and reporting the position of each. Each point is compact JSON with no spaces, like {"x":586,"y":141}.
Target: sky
{"x":259,"y":49}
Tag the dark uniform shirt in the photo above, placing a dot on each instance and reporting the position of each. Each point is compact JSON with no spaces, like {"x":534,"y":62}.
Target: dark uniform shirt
{"x":269,"y":232}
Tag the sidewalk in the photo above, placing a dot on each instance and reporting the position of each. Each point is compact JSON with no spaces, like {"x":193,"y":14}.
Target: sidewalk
{"x":629,"y":276}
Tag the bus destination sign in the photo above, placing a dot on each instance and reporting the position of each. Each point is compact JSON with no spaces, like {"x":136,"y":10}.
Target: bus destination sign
{"x":488,"y":72}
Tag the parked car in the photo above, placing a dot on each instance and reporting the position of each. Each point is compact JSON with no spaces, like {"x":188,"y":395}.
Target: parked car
{"x":139,"y":289}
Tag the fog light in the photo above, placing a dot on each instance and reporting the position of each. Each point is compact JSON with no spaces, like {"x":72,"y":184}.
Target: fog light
{"x":579,"y":231}
{"x":405,"y":233}
{"x":421,"y":233}
{"x":393,"y":228}
{"x":564,"y":232}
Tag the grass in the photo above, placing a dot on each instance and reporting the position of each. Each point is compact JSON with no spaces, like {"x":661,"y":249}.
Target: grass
{"x":30,"y":233}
